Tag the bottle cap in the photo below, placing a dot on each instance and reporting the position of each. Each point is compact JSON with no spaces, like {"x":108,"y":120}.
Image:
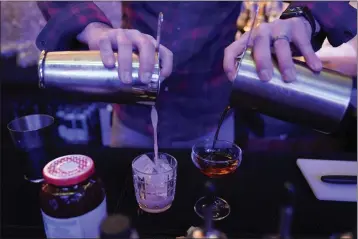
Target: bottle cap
{"x":115,"y":226}
{"x":68,"y":170}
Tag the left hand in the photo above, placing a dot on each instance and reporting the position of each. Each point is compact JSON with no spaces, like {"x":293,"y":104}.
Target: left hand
{"x":279,"y":34}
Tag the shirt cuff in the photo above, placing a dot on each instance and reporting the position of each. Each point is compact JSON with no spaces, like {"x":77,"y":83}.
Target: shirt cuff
{"x":60,"y":32}
{"x":338,"y":20}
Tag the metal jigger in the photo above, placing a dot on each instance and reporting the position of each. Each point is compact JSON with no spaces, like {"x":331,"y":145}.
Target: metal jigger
{"x":33,"y":135}
{"x":208,"y":231}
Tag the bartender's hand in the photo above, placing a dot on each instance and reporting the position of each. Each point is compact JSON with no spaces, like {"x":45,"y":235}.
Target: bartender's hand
{"x":277,"y":34}
{"x":101,"y":37}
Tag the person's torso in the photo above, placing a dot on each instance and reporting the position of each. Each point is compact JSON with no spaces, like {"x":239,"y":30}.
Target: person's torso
{"x":196,"y":32}
{"x":197,"y":91}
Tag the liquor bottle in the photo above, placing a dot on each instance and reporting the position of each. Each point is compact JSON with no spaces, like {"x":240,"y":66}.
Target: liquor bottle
{"x":286,"y":213}
{"x":117,"y":226}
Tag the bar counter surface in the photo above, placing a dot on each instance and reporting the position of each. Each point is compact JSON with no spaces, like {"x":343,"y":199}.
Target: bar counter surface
{"x":253,"y":191}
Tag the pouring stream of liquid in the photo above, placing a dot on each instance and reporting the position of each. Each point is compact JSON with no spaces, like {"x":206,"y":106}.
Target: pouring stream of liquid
{"x":222,"y":118}
{"x":154,"y":118}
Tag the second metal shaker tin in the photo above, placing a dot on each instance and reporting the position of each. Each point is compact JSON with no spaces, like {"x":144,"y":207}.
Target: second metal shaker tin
{"x":83,"y":74}
{"x":317,"y":100}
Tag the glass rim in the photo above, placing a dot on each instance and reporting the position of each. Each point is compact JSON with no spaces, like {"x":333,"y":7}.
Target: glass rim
{"x":212,"y":140}
{"x":11,"y":129}
{"x":159,"y":153}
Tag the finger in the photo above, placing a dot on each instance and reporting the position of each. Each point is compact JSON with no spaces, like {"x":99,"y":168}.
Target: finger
{"x":124,"y":57}
{"x":281,"y":34}
{"x":284,"y":58}
{"x":166,"y":57}
{"x":146,"y":54}
{"x":301,"y":39}
{"x":106,"y":52}
{"x":231,"y":53}
{"x":166,"y":61}
{"x":262,"y":52}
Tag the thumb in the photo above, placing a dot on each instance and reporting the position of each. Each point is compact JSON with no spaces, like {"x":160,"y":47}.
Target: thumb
{"x":230,"y":55}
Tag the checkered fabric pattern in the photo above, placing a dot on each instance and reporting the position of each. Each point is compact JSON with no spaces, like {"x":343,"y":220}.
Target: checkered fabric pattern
{"x":192,"y":98}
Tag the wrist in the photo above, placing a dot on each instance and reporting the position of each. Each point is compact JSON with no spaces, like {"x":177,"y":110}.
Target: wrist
{"x":94,"y":28}
{"x":303,"y":12}
{"x":318,"y":27}
{"x":309,"y":27}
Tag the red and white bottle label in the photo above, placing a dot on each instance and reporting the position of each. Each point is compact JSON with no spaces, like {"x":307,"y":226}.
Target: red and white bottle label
{"x":85,"y":226}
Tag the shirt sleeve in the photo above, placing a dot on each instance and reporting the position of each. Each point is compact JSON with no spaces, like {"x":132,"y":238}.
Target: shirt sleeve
{"x":338,"y":21}
{"x":65,"y":20}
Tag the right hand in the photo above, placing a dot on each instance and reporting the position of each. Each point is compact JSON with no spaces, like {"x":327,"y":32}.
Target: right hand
{"x":101,"y":37}
{"x":296,"y":30}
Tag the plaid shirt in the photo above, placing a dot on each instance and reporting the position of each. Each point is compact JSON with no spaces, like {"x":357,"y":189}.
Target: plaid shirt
{"x":197,"y":33}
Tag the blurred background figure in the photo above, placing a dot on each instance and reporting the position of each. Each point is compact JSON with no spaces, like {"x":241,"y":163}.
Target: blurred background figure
{"x":21,"y":22}
{"x":269,"y":11}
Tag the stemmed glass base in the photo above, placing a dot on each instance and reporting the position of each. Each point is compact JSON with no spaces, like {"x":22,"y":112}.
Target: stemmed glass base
{"x":221,"y":209}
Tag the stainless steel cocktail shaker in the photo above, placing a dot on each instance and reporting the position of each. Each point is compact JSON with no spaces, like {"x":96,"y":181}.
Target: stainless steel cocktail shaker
{"x":83,"y":74}
{"x":317,"y":100}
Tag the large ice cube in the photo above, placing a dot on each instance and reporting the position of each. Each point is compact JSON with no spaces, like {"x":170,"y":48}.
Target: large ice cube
{"x":159,"y":170}
{"x":163,"y":166}
{"x":144,"y":164}
{"x":157,"y":184}
{"x":159,"y":181}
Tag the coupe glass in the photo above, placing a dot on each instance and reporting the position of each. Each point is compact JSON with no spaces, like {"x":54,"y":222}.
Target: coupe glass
{"x":215,"y":161}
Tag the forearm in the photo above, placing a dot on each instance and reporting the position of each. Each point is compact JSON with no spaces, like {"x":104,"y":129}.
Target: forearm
{"x":337,"y":21}
{"x":65,"y":23}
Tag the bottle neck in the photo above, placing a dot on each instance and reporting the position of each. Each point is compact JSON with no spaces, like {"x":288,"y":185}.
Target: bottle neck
{"x":285,"y":223}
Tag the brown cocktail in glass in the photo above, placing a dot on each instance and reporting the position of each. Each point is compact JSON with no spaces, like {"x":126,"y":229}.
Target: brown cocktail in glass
{"x":215,"y":160}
